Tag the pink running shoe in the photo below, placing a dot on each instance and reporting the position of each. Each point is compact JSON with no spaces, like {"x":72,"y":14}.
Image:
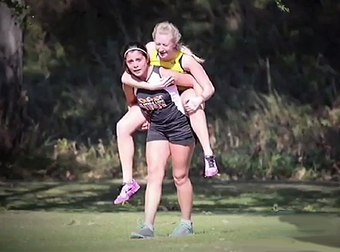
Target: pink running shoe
{"x":127,"y":191}
{"x":211,"y":169}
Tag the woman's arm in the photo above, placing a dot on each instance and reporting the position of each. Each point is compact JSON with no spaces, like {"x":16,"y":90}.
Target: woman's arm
{"x":150,"y":47}
{"x":128,"y":80}
{"x":181,"y":79}
{"x":198,"y":72}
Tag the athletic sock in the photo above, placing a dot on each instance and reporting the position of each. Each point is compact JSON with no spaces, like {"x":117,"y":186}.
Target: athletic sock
{"x":187,"y":222}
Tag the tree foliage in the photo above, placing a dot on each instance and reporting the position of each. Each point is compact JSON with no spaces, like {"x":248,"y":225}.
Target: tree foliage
{"x":275,"y":65}
{"x":12,"y":99}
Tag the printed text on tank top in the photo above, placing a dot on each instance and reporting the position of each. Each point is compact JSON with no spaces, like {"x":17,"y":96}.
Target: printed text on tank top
{"x":151,"y":100}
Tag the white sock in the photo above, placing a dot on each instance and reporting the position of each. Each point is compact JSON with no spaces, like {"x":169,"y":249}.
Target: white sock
{"x":187,"y":222}
{"x":149,"y":226}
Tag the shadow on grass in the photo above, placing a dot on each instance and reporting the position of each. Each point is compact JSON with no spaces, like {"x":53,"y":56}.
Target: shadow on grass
{"x":210,"y":196}
{"x":279,"y":199}
{"x":318,"y":229}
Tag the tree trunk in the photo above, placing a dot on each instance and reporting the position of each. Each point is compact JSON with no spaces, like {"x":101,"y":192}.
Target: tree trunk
{"x":11,"y":62}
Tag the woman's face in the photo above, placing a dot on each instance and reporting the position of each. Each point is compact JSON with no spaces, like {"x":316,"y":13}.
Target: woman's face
{"x":165,"y":46}
{"x":137,"y":63}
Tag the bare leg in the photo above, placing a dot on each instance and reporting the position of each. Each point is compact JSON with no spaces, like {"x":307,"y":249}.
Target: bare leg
{"x":130,"y":122}
{"x":198,"y":122}
{"x":157,"y":154}
{"x":126,"y":126}
{"x":181,"y":159}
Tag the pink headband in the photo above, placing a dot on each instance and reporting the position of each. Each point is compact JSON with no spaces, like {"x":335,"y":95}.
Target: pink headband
{"x":135,"y":48}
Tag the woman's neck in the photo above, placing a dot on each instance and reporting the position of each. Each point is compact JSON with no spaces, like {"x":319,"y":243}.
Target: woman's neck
{"x":146,"y":75}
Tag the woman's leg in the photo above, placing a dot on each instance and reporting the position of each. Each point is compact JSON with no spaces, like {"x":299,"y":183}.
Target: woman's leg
{"x":181,"y":156}
{"x":126,"y":126}
{"x":157,"y":154}
{"x":198,"y":122}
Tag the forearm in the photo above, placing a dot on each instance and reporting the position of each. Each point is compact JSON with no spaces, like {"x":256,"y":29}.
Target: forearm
{"x":198,"y":89}
{"x":185,"y":80}
{"x":207,"y":91}
{"x":181,"y":79}
{"x":129,"y":81}
{"x":200,"y":75}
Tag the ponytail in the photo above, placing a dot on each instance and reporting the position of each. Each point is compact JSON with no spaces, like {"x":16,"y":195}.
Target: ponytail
{"x":184,"y":49}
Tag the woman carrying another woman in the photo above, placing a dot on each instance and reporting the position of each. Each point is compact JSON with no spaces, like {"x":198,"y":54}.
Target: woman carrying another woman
{"x":169,"y":134}
{"x":166,"y":51}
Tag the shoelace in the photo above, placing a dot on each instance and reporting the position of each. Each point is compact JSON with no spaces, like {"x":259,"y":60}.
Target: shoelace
{"x":141,"y":224}
{"x":119,"y":189}
{"x":180,"y":226}
{"x":123,"y":190}
{"x":211,"y":162}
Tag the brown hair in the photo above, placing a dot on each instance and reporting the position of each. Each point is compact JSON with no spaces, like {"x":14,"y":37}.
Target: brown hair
{"x":132,"y":46}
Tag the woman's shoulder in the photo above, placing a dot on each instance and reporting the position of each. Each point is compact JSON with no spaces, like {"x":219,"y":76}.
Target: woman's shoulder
{"x":150,"y":47}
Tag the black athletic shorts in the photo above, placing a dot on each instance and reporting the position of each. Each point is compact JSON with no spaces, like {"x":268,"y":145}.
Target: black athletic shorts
{"x":177,"y":132}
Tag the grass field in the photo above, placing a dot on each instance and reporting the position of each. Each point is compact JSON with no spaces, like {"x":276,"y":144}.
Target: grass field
{"x":227,"y":217}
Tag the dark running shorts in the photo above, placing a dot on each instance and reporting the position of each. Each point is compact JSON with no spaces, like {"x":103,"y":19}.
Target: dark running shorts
{"x":177,"y":133}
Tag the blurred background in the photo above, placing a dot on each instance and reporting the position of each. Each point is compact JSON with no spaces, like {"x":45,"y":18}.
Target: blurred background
{"x":275,"y":66}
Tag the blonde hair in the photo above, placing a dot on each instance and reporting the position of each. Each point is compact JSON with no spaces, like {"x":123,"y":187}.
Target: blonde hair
{"x":169,"y":28}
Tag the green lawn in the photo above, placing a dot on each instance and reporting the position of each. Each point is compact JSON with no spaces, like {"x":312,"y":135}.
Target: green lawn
{"x":227,"y":217}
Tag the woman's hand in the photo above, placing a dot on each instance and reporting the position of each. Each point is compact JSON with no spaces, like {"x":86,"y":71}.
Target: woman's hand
{"x":193,"y":104}
{"x":131,"y":81}
{"x":144,"y":126}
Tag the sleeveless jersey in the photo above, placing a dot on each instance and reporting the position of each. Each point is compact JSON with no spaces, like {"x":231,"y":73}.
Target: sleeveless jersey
{"x":174,"y":64}
{"x":160,"y":106}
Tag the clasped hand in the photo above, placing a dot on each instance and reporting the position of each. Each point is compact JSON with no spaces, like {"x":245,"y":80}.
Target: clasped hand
{"x":193,"y":104}
{"x":144,"y":126}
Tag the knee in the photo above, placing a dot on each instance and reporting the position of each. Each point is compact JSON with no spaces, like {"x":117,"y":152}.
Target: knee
{"x":180,"y":178}
{"x":155,"y":175}
{"x":122,"y":128}
{"x":187,"y":94}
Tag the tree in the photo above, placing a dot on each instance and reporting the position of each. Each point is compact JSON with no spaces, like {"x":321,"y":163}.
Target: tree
{"x":11,"y":75}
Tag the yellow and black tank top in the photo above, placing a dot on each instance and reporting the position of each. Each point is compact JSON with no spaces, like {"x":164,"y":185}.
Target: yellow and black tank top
{"x":174,"y":64}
